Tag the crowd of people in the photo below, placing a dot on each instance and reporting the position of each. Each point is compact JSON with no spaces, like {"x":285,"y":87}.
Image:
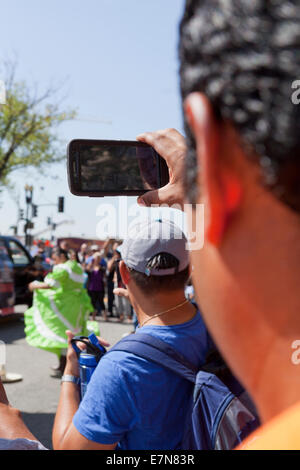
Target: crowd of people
{"x":72,"y":296}
{"x":240,"y":158}
{"x":101,"y":276}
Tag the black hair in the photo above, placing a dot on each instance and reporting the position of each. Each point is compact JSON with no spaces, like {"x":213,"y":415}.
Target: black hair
{"x":244,"y":56}
{"x":152,"y":284}
{"x":60,"y":251}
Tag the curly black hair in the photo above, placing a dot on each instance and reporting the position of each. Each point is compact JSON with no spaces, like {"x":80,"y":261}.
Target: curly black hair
{"x":244,"y":55}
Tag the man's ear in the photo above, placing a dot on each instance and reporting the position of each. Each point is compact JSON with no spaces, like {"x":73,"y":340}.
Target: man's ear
{"x":219,"y":188}
{"x":125,"y":275}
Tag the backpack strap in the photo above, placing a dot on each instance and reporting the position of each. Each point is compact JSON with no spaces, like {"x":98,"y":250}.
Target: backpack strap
{"x":155,"y":350}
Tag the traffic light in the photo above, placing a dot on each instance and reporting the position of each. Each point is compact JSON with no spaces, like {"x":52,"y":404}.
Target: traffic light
{"x":49,"y":221}
{"x":21,"y":214}
{"x":28,"y":240}
{"x":34,"y":210}
{"x":61,"y":202}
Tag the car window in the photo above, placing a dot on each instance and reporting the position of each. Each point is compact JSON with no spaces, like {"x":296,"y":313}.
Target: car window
{"x":18,"y":254}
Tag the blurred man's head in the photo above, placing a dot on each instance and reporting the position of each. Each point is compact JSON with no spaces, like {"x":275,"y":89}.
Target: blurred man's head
{"x":155,"y":260}
{"x":238,"y":62}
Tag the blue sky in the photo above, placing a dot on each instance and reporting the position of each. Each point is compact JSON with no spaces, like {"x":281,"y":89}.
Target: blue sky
{"x":118,"y":61}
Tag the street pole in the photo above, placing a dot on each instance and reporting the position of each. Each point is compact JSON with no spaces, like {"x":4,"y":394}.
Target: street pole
{"x":28,"y":199}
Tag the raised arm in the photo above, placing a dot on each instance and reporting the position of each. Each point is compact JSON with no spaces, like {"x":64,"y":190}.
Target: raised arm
{"x":12,"y":425}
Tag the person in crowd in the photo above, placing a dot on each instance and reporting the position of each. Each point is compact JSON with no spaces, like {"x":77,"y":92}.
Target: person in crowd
{"x":64,"y":245}
{"x":41,"y":251}
{"x":82,"y":253}
{"x":41,"y":260}
{"x":123,"y":306}
{"x":73,"y":256}
{"x":59,"y":302}
{"x":110,"y":271}
{"x":94,"y":249}
{"x":239,"y":61}
{"x":113,"y":276}
{"x":131,"y":403}
{"x":189,"y":291}
{"x":95,"y":285}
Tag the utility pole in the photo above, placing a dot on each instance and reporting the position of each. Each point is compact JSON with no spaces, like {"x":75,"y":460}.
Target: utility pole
{"x":28,"y":223}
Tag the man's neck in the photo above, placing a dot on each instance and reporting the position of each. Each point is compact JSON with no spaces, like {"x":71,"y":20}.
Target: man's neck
{"x":265,"y":316}
{"x":278,"y":384}
{"x":163,"y":309}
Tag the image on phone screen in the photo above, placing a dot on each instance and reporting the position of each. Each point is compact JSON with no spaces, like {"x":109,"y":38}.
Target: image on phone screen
{"x":118,"y":168}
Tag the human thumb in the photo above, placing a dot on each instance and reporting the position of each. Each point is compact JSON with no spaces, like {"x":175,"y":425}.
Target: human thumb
{"x":149,"y":198}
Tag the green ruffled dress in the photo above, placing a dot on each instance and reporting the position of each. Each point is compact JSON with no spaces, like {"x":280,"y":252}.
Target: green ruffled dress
{"x":65,"y":306}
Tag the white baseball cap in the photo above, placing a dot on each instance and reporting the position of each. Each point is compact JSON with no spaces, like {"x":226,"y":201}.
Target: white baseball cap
{"x":151,"y":238}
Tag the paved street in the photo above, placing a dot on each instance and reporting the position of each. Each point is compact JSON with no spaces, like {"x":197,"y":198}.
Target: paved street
{"x":37,"y":395}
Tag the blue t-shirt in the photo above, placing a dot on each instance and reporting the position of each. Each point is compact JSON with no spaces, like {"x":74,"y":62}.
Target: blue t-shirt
{"x":139,"y":404}
{"x":102,"y":263}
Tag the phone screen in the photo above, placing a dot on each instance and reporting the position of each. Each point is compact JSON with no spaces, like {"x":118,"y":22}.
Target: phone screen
{"x":113,"y":167}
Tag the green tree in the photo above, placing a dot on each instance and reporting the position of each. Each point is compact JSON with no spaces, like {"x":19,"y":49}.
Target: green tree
{"x":28,"y":126}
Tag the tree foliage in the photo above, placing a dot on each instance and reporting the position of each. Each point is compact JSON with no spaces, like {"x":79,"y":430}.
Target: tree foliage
{"x":28,"y":126}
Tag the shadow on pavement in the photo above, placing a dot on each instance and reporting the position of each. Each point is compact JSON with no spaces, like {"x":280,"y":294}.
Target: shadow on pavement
{"x":40,"y":424}
{"x":12,"y":330}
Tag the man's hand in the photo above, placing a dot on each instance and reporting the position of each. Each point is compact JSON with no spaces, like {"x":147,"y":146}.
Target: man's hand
{"x":65,"y":435}
{"x":121,"y":292}
{"x":72,"y":366}
{"x":170,"y":145}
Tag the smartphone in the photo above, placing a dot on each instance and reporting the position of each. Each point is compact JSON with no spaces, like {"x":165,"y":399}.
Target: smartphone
{"x":98,"y":168}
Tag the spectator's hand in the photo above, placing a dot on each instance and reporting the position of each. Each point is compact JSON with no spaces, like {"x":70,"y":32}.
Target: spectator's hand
{"x":170,"y":145}
{"x":72,"y":366}
{"x":121,"y":292}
